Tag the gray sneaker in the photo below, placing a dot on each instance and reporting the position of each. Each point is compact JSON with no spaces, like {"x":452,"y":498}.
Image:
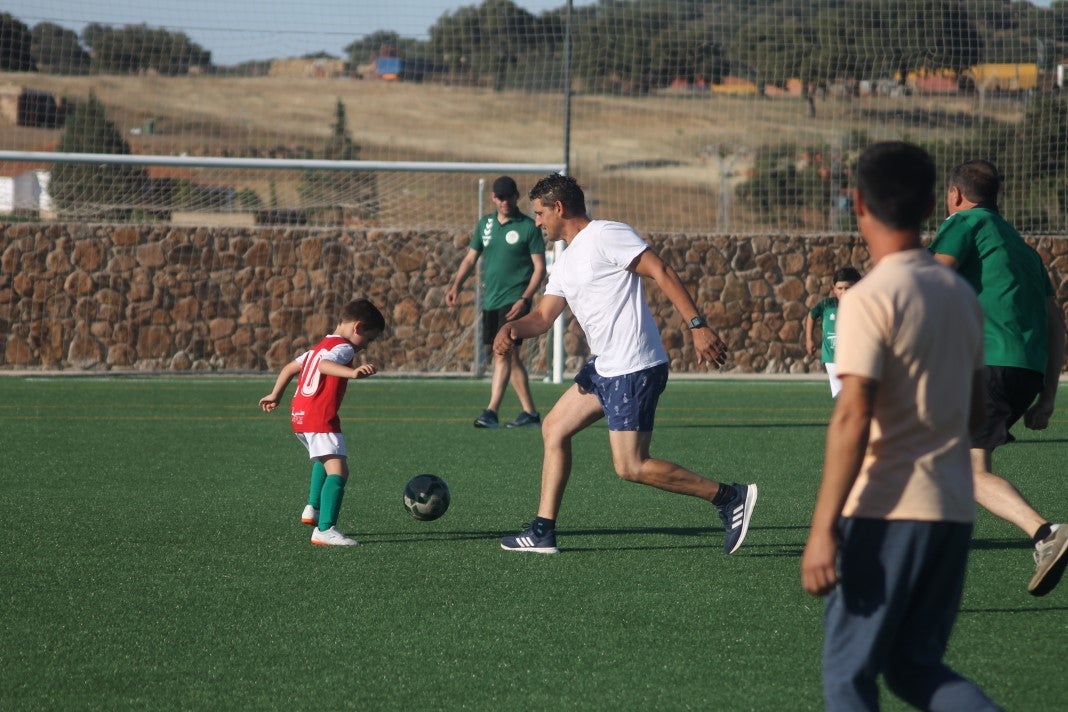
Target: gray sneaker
{"x":488,"y":419}
{"x":524,"y":419}
{"x":1051,"y":557}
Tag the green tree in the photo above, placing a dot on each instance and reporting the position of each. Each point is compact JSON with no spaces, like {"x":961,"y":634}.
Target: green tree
{"x":900,"y":36}
{"x":333,"y":196}
{"x":136,"y":48}
{"x":490,"y":40}
{"x":57,"y":50}
{"x":95,"y":191}
{"x":775,"y":49}
{"x":15,"y":44}
{"x":1035,"y":162}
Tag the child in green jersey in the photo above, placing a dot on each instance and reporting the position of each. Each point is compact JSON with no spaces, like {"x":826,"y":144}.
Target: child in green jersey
{"x":827,"y":312}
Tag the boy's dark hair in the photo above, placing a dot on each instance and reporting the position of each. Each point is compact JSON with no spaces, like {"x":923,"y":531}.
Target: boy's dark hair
{"x":846,"y":274}
{"x":897,"y":180}
{"x":979,"y":181}
{"x":565,"y":189}
{"x":363,"y":310}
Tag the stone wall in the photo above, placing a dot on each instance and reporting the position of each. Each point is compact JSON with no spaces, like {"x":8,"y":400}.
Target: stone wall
{"x":79,"y":297}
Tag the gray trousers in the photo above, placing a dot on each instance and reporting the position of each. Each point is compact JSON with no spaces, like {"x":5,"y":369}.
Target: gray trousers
{"x":892,"y":614}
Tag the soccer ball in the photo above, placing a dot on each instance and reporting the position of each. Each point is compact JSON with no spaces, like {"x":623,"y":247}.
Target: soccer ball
{"x":426,"y":497}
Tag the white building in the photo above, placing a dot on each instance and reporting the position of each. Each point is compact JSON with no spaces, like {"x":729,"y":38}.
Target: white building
{"x":25,"y":192}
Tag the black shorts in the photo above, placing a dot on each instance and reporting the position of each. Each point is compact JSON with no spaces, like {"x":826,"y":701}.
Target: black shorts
{"x":494,"y":319}
{"x":1010,"y":391}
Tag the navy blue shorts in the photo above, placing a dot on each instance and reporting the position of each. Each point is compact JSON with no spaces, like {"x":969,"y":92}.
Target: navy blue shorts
{"x":629,"y":401}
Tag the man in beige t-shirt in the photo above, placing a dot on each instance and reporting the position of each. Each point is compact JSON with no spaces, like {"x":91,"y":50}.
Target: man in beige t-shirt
{"x":893,"y":519}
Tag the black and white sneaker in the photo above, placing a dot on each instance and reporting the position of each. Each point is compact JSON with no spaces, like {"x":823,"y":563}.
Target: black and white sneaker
{"x":527,"y":540}
{"x":735,"y":515}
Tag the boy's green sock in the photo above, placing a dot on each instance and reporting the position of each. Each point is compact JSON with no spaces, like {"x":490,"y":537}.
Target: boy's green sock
{"x":315,"y":487}
{"x":333,"y":492}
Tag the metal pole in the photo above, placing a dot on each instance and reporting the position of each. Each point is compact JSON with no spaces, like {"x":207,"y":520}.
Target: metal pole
{"x":558,"y":248}
{"x":479,"y":362}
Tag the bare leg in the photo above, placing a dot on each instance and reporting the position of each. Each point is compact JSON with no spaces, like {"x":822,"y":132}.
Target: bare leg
{"x":521,"y":382}
{"x":502,"y":366}
{"x":1000,"y":498}
{"x":630,"y":455}
{"x":574,"y":412}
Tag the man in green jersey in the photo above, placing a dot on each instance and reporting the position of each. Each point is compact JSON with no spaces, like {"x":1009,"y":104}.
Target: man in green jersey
{"x":513,"y":266}
{"x":1024,"y":346}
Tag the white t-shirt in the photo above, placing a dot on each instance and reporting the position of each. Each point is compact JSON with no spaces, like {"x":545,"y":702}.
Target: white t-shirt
{"x":608,"y":300}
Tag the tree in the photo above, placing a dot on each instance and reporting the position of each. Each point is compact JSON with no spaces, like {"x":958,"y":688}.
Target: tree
{"x":325,"y":193}
{"x":57,"y":50}
{"x":775,"y":49}
{"x":136,"y":48}
{"x":900,"y":36}
{"x":100,"y":191}
{"x":15,"y":43}
{"x":489,"y":40}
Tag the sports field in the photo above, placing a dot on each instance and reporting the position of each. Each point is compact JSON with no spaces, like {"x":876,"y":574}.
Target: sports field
{"x":152,"y":558}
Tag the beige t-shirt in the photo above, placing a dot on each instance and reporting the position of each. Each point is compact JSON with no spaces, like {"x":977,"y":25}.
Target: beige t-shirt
{"x":914,"y":326}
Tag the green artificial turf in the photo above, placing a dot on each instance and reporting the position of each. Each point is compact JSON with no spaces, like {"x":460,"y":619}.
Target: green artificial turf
{"x":152,"y":558}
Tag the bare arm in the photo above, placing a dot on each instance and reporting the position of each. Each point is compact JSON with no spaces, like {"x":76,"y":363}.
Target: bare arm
{"x":1038,"y":415}
{"x":847,"y":441}
{"x":948,"y":260}
{"x":466,"y":266}
{"x":810,"y":342}
{"x":706,"y":342}
{"x":270,"y":401}
{"x":333,"y":368}
{"x":531,"y":288}
{"x":536,"y":323}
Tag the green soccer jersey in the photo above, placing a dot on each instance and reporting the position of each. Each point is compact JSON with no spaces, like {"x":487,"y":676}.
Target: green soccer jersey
{"x":506,"y":263}
{"x":827,"y":312}
{"x":1011,"y":281}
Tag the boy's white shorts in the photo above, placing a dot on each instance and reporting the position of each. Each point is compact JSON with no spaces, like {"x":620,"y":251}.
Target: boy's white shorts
{"x":323,"y":444}
{"x":832,"y":376}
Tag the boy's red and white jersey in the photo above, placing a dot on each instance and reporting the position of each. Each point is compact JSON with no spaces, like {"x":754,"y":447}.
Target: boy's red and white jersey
{"x":318,"y":397}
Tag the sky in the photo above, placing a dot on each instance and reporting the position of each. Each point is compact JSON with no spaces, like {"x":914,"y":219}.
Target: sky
{"x":239,"y":30}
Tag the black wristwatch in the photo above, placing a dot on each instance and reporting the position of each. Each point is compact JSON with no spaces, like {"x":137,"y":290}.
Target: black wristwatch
{"x":697,"y":322}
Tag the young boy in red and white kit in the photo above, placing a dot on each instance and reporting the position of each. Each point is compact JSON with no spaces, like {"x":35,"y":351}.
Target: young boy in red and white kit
{"x":325,"y":371}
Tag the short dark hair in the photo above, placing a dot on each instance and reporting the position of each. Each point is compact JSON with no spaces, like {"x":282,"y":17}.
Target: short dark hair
{"x":846,"y":274}
{"x":563,"y":189}
{"x":505,"y":187}
{"x":363,"y":310}
{"x":896,"y":179}
{"x":978,"y":180}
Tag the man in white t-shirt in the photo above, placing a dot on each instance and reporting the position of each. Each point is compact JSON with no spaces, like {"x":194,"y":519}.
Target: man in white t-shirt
{"x":599,"y":277}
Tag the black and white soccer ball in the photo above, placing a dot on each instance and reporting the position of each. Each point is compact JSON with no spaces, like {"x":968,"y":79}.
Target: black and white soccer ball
{"x":426,"y":497}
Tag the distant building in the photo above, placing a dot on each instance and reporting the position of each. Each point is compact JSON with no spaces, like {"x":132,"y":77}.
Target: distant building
{"x":318,"y":68}
{"x":24,"y":189}
{"x":35,"y":108}
{"x":1003,"y":77}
